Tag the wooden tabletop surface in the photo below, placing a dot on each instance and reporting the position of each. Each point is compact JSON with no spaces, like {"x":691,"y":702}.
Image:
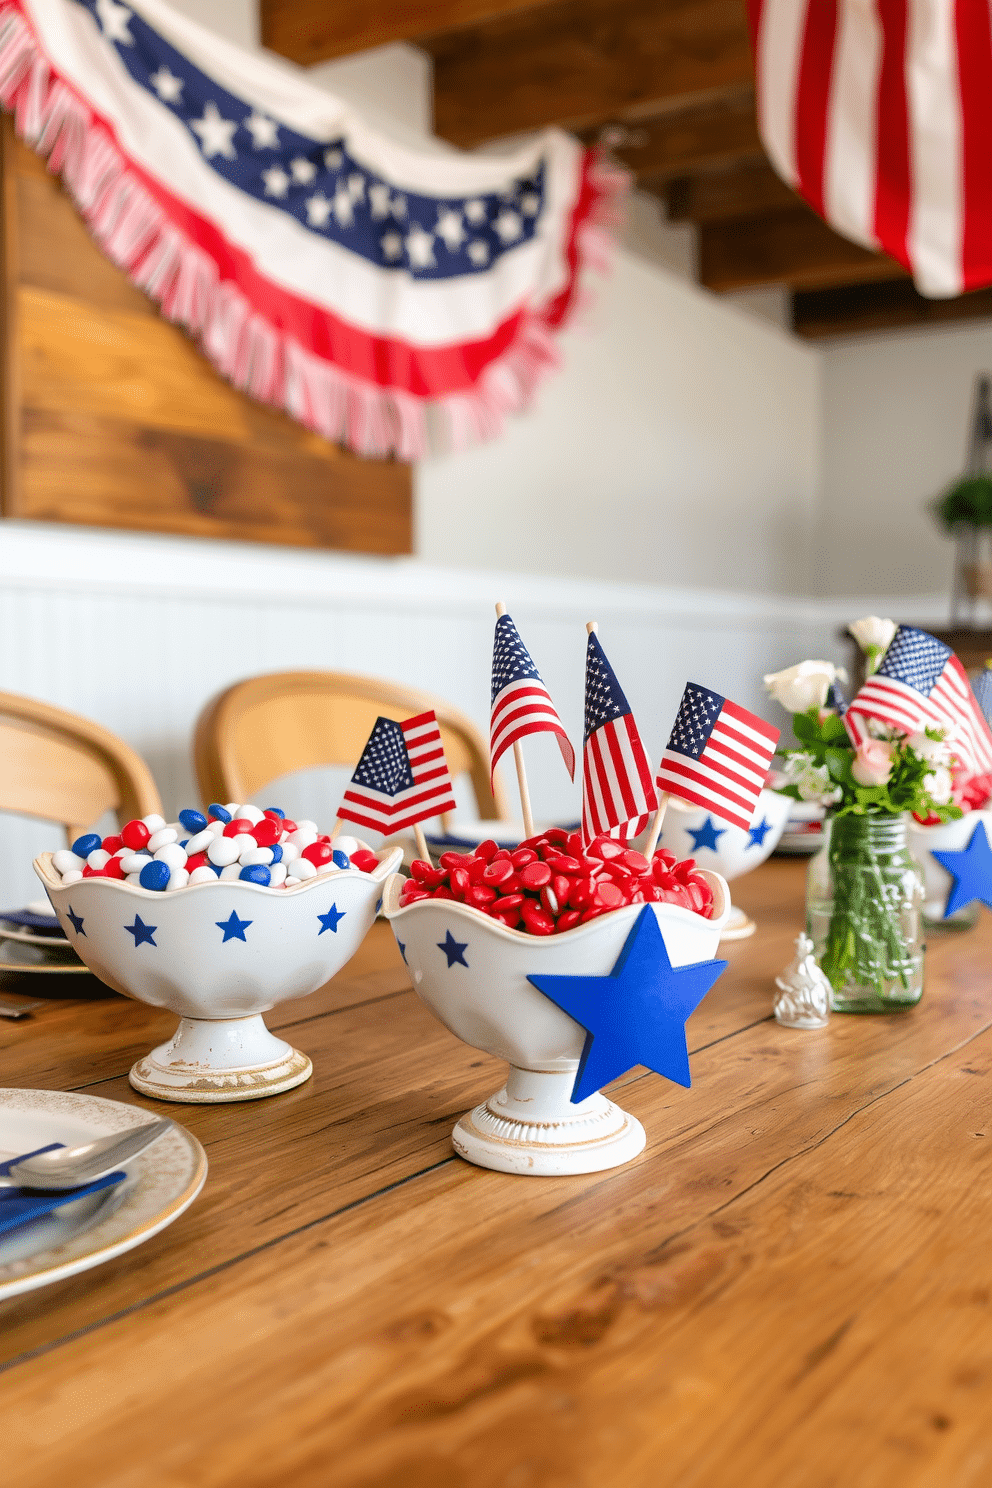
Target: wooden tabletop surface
{"x":791,"y":1287}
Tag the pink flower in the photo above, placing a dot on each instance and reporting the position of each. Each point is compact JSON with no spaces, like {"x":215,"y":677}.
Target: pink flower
{"x":872,"y":762}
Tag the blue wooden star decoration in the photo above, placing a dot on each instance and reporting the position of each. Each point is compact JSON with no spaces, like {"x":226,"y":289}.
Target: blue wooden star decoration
{"x":971,"y":869}
{"x":708,"y":835}
{"x":636,"y":1014}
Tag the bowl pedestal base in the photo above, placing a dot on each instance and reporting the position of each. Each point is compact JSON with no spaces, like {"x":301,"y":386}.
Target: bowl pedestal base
{"x":531,"y":1127}
{"x":739,"y":926}
{"x":220,"y":1059}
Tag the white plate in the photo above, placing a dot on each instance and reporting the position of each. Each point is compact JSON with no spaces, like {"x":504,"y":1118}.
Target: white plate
{"x":18,"y":958}
{"x":161,"y":1183}
{"x":10,"y":931}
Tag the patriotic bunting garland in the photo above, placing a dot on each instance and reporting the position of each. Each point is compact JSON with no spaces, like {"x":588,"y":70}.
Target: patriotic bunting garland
{"x":372,"y":292}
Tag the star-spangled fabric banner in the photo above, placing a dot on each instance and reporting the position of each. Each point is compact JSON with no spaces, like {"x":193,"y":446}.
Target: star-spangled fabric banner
{"x":392,"y":300}
{"x":618,"y":794}
{"x":718,"y":755}
{"x":521,"y":704}
{"x":921,"y":684}
{"x":402,"y":777}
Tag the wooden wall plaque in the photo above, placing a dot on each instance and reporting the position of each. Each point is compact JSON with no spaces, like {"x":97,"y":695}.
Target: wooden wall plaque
{"x":113,"y":418}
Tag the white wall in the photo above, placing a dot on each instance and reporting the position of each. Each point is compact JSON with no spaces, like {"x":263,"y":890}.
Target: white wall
{"x":896,"y":417}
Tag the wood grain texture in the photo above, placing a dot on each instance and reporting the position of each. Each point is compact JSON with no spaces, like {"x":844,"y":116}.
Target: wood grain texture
{"x":792,"y":247}
{"x":791,"y":1286}
{"x":115,"y":419}
{"x":583,"y":62}
{"x":309,"y":31}
{"x":853,"y":309}
{"x":719,"y":136}
{"x":750,"y":190}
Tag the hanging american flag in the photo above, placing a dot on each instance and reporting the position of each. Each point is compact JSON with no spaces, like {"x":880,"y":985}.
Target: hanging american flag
{"x":921,"y":684}
{"x":718,"y":755}
{"x":521,"y":703}
{"x":877,"y":112}
{"x":373,"y":292}
{"x":618,"y":795}
{"x":982,"y":688}
{"x":402,"y":777}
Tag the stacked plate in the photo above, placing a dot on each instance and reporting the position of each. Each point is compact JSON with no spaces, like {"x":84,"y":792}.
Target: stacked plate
{"x":32,"y":944}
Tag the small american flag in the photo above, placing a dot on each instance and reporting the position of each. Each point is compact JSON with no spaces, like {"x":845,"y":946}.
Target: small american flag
{"x":401,"y":778}
{"x":921,"y":684}
{"x":618,"y":795}
{"x":718,"y":755}
{"x":521,"y":702}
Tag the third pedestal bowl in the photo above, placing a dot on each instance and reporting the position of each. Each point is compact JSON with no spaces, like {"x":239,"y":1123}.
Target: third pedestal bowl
{"x":694,"y":832}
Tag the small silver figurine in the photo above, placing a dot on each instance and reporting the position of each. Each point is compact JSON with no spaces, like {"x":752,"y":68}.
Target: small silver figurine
{"x":804,"y":992}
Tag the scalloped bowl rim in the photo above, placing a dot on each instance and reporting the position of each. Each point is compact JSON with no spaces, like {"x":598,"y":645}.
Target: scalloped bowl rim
{"x":387,"y":865}
{"x":478,"y":916}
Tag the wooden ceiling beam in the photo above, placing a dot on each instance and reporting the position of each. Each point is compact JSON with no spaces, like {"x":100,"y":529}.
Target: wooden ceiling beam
{"x":576,"y":63}
{"x":683,"y":142}
{"x":725,"y":196}
{"x":309,"y":31}
{"x":854,"y":309}
{"x":792,"y":247}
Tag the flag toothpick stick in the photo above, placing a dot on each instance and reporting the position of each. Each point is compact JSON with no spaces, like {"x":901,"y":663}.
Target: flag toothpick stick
{"x":418,"y":832}
{"x":657,"y":823}
{"x":518,"y":760}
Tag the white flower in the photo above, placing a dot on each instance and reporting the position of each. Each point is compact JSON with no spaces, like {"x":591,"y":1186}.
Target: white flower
{"x":934,"y":751}
{"x":939,"y":784}
{"x":812,"y":781}
{"x":805,"y":686}
{"x":871,"y":633}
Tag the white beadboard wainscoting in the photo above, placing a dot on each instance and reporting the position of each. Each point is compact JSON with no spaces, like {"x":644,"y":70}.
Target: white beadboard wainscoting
{"x":138,"y":632}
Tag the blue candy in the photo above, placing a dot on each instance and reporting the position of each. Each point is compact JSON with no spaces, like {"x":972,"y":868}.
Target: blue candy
{"x":195,"y":821}
{"x":221,"y":813}
{"x":155,"y":875}
{"x":86,"y":844}
{"x":276,"y":811}
{"x":255,"y":873}
{"x":276,"y":853}
{"x":341,"y":859}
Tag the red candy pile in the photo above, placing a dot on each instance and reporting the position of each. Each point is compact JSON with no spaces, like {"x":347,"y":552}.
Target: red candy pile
{"x":552,"y":883}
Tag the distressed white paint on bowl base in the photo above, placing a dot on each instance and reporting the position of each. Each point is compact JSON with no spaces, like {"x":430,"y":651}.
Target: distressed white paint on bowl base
{"x":207,"y":1061}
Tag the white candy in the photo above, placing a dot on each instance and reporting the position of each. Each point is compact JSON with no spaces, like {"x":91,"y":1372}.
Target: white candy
{"x":258,"y":855}
{"x":303,"y":868}
{"x":291,"y":882}
{"x":132,"y":863}
{"x":233,"y":808}
{"x":245,"y":843}
{"x":216,"y":828}
{"x":71,"y":875}
{"x":201,"y":875}
{"x":232,"y":870}
{"x":250,"y":813}
{"x":133,"y":878}
{"x":161,"y":839}
{"x":172,"y":854}
{"x":223,"y":851}
{"x":200,"y":842}
{"x":98,"y":858}
{"x":309,"y":826}
{"x":178,"y":879}
{"x":154,"y":823}
{"x":290,"y":852}
{"x":278,"y":872}
{"x":67,"y":862}
{"x":329,"y":867}
{"x":345,"y":844}
{"x":303,"y":837}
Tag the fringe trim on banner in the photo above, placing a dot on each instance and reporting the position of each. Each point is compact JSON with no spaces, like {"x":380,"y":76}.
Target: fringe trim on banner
{"x":254,"y":355}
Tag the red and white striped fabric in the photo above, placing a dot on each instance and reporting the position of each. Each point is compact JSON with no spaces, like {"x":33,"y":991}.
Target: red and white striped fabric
{"x":521,"y":704}
{"x":618,"y":794}
{"x":402,"y":777}
{"x":372,"y":291}
{"x":718,"y":755}
{"x":877,"y":112}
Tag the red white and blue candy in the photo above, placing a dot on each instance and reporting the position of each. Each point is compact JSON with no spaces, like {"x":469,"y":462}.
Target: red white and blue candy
{"x":263,"y":847}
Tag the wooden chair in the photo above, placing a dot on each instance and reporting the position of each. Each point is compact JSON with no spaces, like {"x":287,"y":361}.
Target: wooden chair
{"x":63,"y":768}
{"x":266,"y":727}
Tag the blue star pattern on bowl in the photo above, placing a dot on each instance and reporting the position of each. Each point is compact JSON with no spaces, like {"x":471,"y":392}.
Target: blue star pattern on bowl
{"x":331,"y":919}
{"x":708,"y":835}
{"x":77,"y":921}
{"x":233,"y":928}
{"x":759,"y":832}
{"x":453,"y":949}
{"x":142,"y":933}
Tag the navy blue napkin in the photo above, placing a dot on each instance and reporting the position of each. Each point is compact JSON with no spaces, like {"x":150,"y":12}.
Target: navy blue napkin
{"x":18,"y":1206}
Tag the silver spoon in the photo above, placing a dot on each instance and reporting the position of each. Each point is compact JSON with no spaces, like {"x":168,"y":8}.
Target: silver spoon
{"x":70,"y":1167}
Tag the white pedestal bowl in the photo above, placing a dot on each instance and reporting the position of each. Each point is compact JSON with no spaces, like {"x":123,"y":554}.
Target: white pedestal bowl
{"x":220,"y":955}
{"x":951,"y":836}
{"x":729,"y":851}
{"x":530,"y":1125}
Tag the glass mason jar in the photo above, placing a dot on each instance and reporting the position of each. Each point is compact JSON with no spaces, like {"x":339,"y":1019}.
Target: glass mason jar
{"x":864,"y":913}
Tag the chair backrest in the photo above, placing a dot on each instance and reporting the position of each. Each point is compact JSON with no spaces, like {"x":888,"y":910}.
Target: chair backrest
{"x":63,"y":768}
{"x":266,"y":727}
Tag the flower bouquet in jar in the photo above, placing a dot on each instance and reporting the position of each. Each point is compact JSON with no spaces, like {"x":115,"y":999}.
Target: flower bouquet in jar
{"x":890,"y":755}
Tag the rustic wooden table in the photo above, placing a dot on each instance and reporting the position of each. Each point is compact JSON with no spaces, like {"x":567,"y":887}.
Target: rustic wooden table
{"x":792,"y":1286}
